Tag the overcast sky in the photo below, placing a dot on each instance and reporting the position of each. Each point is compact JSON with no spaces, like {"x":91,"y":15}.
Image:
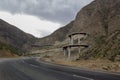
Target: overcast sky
{"x":40,"y":17}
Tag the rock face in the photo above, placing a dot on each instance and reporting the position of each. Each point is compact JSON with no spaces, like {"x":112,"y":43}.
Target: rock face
{"x":14,"y":37}
{"x":101,"y":17}
{"x":101,"y":20}
{"x":97,"y":17}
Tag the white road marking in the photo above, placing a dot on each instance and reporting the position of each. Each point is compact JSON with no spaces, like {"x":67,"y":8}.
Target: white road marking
{"x":82,"y":77}
{"x":33,"y":65}
{"x":30,"y":64}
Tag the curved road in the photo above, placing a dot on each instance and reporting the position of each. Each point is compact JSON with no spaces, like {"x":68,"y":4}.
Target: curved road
{"x":30,"y":69}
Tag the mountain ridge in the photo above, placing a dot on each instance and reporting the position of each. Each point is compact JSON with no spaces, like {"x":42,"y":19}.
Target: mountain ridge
{"x":89,"y":17}
{"x":14,"y":37}
{"x":101,"y":20}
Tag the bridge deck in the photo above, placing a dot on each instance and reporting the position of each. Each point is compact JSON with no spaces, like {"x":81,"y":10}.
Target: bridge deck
{"x":65,"y":47}
{"x":76,"y":34}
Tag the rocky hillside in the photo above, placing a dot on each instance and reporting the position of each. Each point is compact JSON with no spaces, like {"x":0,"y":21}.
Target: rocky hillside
{"x":13,"y":38}
{"x":101,"y":20}
{"x":7,"y":50}
{"x":100,"y":17}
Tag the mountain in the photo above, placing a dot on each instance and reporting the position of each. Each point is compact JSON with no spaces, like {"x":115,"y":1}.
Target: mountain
{"x":99,"y":17}
{"x":101,"y":20}
{"x":13,"y":38}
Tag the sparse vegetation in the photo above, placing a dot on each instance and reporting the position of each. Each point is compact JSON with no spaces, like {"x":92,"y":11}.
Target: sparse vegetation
{"x":8,"y":48}
{"x":103,"y":49}
{"x":99,"y":40}
{"x":46,"y":56}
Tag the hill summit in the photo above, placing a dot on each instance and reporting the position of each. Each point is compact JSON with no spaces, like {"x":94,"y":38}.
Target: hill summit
{"x":13,"y":39}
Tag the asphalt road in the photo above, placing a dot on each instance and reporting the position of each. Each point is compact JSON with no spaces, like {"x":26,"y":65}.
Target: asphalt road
{"x":30,"y":69}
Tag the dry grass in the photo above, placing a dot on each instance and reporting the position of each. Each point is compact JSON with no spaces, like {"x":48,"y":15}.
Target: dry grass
{"x":6,"y":54}
{"x":102,"y":65}
{"x":94,"y":64}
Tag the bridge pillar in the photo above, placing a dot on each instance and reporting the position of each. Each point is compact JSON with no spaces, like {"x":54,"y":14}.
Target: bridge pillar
{"x":65,"y":52}
{"x":69,"y":52}
{"x":67,"y":49}
{"x":71,"y":40}
{"x":79,"y":39}
{"x":79,"y":42}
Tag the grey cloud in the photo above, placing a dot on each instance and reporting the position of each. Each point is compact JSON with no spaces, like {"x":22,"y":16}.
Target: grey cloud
{"x":61,"y":11}
{"x":43,"y":33}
